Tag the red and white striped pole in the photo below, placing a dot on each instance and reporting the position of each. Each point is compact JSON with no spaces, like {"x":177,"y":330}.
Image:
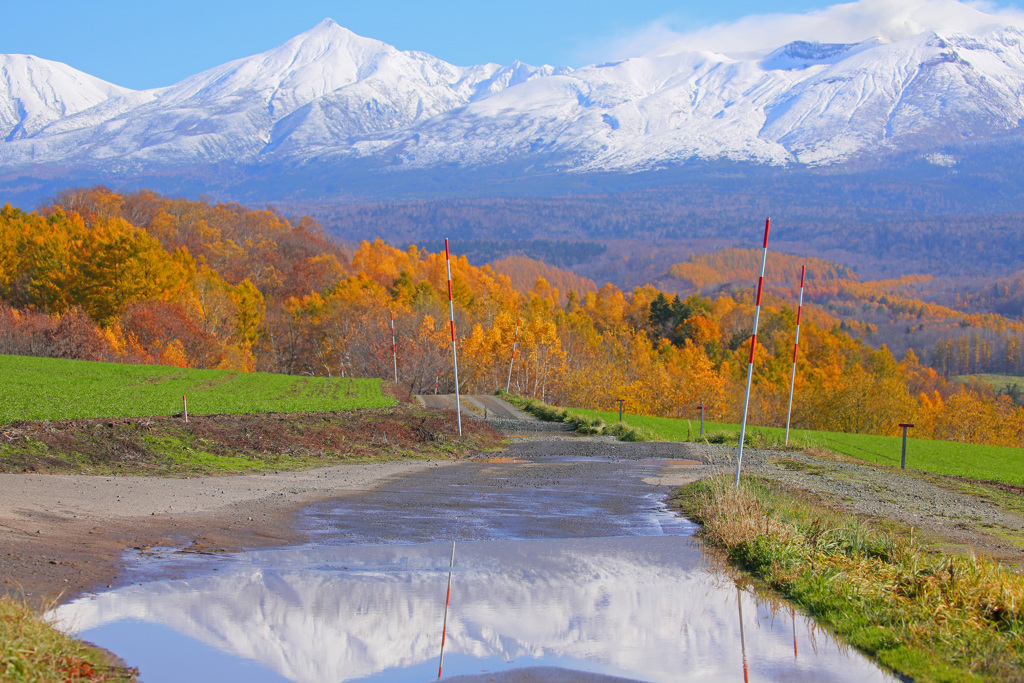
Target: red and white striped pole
{"x":796,"y":345}
{"x":394,"y":346}
{"x":753,"y":346}
{"x":184,"y":407}
{"x":447,"y":600}
{"x":515,"y":342}
{"x":437,"y":376}
{"x":451,"y":318}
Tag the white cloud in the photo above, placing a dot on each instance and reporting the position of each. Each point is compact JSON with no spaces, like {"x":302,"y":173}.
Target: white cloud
{"x":853,"y":22}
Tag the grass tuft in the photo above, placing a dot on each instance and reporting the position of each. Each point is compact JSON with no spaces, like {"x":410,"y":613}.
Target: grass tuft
{"x":32,"y":650}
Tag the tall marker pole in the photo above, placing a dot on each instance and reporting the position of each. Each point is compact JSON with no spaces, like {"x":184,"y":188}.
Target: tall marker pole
{"x":515,"y":342}
{"x":394,"y":346}
{"x":753,"y":346}
{"x":451,"y":318}
{"x":447,"y":600}
{"x":796,"y":345}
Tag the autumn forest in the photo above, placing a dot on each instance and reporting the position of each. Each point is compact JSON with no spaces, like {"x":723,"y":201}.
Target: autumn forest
{"x":142,"y":278}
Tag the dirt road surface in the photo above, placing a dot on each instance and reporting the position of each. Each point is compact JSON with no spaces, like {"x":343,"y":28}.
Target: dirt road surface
{"x":62,"y":535}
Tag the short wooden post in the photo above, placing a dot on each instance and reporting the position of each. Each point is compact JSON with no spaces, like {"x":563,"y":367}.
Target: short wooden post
{"x":622,"y":402}
{"x":903,"y":459}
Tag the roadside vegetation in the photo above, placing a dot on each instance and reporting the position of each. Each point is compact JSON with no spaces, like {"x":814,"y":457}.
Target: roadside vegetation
{"x":579,"y":420}
{"x":990,"y":463}
{"x":33,"y":651}
{"x":926,"y":615}
{"x":52,"y":389}
{"x":227,"y":444}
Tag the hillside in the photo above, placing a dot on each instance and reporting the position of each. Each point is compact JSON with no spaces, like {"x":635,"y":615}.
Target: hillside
{"x":524,"y":274}
{"x":744,"y":266}
{"x":908,"y":219}
{"x":141,"y":278}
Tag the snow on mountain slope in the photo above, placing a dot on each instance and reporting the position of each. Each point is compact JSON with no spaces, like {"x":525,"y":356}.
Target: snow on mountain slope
{"x":317,"y":89}
{"x":927,"y":88}
{"x":329,"y":94}
{"x":804,"y":103}
{"x":35,"y":92}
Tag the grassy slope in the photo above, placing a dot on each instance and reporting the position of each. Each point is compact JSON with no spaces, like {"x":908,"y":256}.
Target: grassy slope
{"x":927,"y":615}
{"x":49,"y":389}
{"x":104,"y":418}
{"x":993,"y":463}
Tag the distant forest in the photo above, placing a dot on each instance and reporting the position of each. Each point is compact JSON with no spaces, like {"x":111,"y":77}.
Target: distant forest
{"x":588,"y":233}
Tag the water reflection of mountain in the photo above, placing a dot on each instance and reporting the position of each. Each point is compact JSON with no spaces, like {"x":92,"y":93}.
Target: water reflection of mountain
{"x":641,"y":607}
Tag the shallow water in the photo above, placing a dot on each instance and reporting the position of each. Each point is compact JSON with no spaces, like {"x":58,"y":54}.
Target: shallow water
{"x":639,"y":600}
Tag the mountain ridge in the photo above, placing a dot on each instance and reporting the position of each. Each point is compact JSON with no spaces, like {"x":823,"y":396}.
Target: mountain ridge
{"x":330,"y":98}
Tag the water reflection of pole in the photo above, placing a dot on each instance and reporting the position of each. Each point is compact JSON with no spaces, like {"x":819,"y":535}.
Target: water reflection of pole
{"x":447,"y":600}
{"x":743,"y":641}
{"x":792,"y":611}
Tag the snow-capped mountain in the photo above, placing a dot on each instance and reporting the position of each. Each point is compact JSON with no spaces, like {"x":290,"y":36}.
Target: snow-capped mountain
{"x":36,"y":92}
{"x":330,"y":95}
{"x":320,"y":89}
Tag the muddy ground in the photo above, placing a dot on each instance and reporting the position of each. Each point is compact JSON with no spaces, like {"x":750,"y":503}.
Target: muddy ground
{"x":64,"y":534}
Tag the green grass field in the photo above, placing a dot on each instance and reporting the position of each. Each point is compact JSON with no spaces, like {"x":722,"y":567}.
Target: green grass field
{"x":52,"y":389}
{"x":997,"y":382}
{"x":993,"y":463}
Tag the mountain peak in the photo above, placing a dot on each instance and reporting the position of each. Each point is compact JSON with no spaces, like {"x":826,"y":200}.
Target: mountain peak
{"x":329,"y":31}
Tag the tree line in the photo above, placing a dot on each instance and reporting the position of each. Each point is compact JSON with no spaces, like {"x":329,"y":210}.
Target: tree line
{"x":144,"y":278}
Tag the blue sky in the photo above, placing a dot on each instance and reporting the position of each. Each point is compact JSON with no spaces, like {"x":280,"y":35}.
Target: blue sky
{"x":152,"y":43}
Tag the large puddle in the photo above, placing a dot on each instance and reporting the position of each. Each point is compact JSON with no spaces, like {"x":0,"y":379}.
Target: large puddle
{"x":533,"y":585}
